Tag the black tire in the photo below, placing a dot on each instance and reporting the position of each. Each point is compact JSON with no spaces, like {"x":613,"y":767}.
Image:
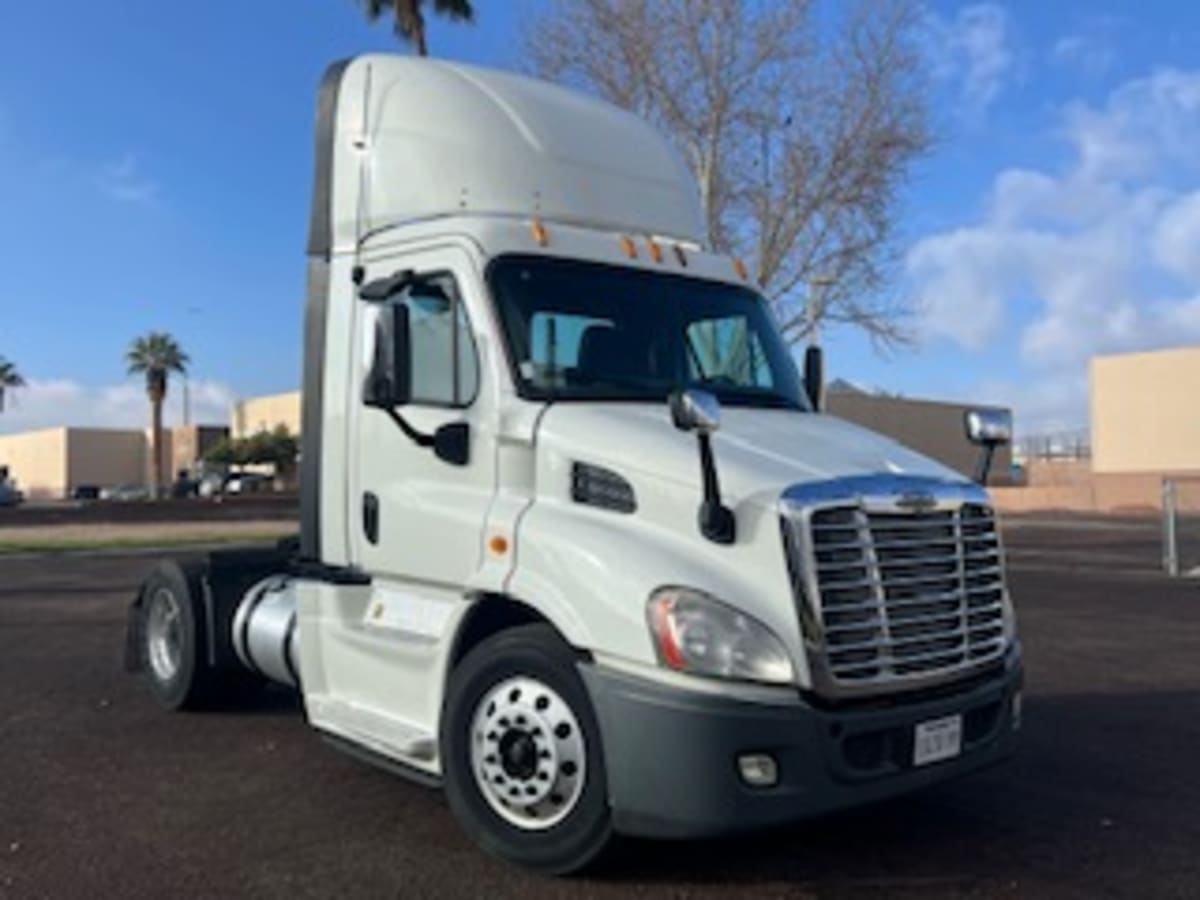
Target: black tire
{"x":192,"y":684}
{"x":533,"y":651}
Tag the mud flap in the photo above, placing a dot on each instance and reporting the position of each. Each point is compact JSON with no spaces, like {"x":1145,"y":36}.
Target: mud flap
{"x":134,"y":659}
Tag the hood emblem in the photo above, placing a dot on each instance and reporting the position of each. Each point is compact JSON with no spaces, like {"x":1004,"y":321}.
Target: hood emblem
{"x":916,"y":501}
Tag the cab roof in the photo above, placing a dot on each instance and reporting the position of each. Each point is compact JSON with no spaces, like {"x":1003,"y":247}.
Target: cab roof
{"x":402,"y":138}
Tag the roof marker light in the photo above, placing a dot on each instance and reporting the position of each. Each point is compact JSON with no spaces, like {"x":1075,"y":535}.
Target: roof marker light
{"x":681,"y":256}
{"x":539,"y":232}
{"x":630,"y":248}
{"x":741,"y":269}
{"x":656,"y":253}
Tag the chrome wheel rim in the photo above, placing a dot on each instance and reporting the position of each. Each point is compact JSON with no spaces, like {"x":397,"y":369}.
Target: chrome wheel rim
{"x":527,"y":753}
{"x":164,"y":634}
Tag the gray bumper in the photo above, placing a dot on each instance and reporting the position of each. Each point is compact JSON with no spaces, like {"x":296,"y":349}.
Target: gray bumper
{"x":672,"y":755}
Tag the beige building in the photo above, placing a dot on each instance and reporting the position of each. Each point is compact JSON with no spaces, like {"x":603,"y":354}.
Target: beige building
{"x":1145,"y":428}
{"x":929,"y":427}
{"x":265,"y":414}
{"x":52,"y":463}
{"x":1146,"y":412}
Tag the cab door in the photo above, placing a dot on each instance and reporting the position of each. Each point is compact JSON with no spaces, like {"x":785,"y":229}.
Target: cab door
{"x":415,"y":520}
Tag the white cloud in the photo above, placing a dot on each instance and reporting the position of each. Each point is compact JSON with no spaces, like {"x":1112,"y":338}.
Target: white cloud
{"x":1176,"y":239}
{"x":53,"y":403}
{"x":123,"y":180}
{"x":1088,"y":53}
{"x":972,"y":51}
{"x":1146,"y":123}
{"x":1106,"y":252}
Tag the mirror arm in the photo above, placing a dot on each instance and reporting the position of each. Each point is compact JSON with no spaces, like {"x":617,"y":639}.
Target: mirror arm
{"x":451,"y":443}
{"x":417,"y":437}
{"x":984,"y":467}
{"x":717,"y":522}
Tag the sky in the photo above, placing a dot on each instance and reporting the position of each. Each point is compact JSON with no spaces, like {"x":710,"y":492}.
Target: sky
{"x":156,"y":160}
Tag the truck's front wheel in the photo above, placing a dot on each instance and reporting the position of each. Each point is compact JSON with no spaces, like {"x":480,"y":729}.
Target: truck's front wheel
{"x":523,"y":765}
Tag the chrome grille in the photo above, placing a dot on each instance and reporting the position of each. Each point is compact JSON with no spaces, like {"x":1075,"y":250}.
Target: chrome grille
{"x":905,"y":594}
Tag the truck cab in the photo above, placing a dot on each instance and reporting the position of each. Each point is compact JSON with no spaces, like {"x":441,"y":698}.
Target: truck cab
{"x":576,"y":543}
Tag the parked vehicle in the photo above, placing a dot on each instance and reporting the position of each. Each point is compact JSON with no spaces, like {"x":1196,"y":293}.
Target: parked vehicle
{"x":246,"y":483}
{"x":86,"y":492}
{"x":210,"y":484}
{"x":576,"y":542}
{"x":126,"y":493}
{"x":9,"y":495}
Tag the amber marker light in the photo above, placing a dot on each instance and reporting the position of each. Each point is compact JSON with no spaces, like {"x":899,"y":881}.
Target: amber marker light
{"x":630,"y":248}
{"x":740,"y":268}
{"x":539,"y":232}
{"x":498,"y":545}
{"x":656,"y":253}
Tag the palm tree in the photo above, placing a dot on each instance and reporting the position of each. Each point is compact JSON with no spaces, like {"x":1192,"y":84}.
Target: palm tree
{"x":410,"y":18}
{"x":10,"y":379}
{"x":156,"y":355}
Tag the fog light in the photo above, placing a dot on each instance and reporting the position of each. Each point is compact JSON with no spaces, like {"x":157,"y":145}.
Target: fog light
{"x":758,"y":769}
{"x":1016,"y":711}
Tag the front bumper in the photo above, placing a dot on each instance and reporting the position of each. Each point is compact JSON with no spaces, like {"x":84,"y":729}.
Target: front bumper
{"x":671,"y":755}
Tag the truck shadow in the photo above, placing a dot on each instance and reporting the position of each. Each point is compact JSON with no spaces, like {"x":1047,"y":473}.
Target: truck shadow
{"x":1098,"y":779}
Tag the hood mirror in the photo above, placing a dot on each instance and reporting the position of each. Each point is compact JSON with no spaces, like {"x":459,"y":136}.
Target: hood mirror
{"x":989,"y":428}
{"x":699,"y":412}
{"x":694,"y":410}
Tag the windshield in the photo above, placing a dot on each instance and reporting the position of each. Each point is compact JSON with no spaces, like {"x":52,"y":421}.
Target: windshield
{"x":587,"y":331}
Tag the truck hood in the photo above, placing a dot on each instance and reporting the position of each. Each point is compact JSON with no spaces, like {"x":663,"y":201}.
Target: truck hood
{"x":757,"y":450}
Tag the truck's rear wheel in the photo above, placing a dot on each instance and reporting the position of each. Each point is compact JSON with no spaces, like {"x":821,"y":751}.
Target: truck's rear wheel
{"x":172,"y":640}
{"x":524,"y":770}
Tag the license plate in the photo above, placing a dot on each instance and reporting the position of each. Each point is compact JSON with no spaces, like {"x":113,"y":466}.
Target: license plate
{"x":936,"y":740}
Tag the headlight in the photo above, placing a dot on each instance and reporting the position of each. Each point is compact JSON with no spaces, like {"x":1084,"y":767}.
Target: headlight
{"x":696,"y":634}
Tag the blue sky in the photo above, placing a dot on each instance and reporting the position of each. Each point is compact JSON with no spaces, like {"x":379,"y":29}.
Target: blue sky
{"x":155,"y":166}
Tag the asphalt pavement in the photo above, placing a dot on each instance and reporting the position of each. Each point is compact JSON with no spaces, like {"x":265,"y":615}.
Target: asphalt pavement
{"x":102,"y":794}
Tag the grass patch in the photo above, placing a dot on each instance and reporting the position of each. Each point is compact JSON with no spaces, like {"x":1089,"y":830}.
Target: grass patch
{"x":11,"y":546}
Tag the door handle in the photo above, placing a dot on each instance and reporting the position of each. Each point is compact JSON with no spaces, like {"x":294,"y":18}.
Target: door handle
{"x":370,"y":517}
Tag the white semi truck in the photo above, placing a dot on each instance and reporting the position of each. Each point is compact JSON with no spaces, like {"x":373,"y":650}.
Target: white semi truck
{"x":575,"y":542}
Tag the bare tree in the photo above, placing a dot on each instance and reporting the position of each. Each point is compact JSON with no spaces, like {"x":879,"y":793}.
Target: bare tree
{"x":801,"y":130}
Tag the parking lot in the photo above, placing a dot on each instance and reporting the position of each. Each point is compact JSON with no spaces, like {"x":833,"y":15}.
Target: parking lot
{"x":104,"y":795}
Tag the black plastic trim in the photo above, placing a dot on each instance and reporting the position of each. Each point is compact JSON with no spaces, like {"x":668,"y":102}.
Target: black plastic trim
{"x":602,"y":488}
{"x":315,"y":570}
{"x":320,"y":223}
{"x":378,"y":760}
{"x":320,"y":248}
{"x":690,"y":787}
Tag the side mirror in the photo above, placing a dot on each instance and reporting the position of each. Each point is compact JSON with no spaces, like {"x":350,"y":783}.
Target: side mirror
{"x":814,"y":376}
{"x":389,"y":381}
{"x":989,"y":426}
{"x":694,"y":410}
